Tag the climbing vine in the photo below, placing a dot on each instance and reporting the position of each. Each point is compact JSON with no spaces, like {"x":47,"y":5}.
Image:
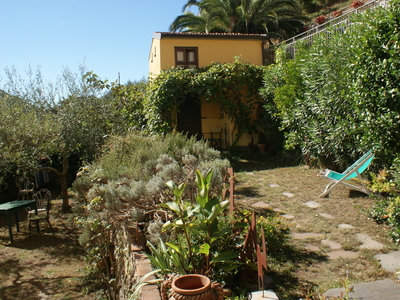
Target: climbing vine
{"x":234,"y":86}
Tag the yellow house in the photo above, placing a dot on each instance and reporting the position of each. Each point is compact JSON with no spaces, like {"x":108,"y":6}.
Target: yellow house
{"x":171,"y":49}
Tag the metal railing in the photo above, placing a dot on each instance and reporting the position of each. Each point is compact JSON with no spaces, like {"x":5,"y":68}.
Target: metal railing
{"x":337,"y":23}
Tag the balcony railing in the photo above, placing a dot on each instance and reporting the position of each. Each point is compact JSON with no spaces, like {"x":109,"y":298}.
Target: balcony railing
{"x":334,"y":22}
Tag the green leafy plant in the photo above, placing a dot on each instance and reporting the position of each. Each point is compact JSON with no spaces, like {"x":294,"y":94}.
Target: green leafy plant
{"x":205,"y":211}
{"x":387,"y":208}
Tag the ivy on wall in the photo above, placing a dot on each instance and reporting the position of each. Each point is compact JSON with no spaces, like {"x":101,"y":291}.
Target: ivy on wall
{"x":234,"y":86}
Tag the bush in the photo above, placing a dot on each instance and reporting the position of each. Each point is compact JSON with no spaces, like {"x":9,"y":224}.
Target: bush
{"x":387,"y":209}
{"x":339,"y":96}
{"x":126,"y":184}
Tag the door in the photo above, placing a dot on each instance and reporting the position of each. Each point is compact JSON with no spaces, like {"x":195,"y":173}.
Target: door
{"x":189,"y":117}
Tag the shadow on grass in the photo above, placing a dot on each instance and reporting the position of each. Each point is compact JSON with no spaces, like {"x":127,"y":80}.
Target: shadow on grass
{"x":283,"y":266}
{"x":247,"y":192}
{"x":22,"y":287}
{"x":249,"y":162}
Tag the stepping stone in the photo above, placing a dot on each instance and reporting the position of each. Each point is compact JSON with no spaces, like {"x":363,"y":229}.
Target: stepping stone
{"x":345,"y":226}
{"x":389,"y":261}
{"x":326,"y":216}
{"x":274,"y":185}
{"x":263,"y":295}
{"x":342,"y":254}
{"x":260,"y":204}
{"x":312,"y":248}
{"x":368,"y":243}
{"x":385,"y":289}
{"x":288,"y":217}
{"x":312,"y":204}
{"x":287,"y":194}
{"x":307,"y":235}
{"x":331,"y":244}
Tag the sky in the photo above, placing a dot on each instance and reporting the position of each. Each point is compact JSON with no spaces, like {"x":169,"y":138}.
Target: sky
{"x":111,"y":38}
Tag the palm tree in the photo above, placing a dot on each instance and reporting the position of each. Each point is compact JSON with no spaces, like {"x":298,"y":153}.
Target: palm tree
{"x":274,"y":17}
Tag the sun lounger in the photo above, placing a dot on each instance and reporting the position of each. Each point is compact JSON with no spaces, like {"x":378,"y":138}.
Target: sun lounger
{"x":353,"y":171}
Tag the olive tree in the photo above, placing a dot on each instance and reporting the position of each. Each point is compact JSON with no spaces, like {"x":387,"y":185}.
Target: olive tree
{"x":53,"y":120}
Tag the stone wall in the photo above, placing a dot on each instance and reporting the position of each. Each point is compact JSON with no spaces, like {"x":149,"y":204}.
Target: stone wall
{"x":131,"y":263}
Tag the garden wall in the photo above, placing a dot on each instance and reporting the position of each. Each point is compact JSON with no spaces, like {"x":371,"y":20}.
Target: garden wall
{"x":132,"y":264}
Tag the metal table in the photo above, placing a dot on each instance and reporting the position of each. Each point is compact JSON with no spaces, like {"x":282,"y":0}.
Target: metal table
{"x":8,"y":207}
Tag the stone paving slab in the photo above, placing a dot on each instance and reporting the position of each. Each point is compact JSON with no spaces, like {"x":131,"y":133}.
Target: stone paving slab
{"x":385,"y":289}
{"x":268,"y":295}
{"x":287,"y":194}
{"x":260,"y":204}
{"x":307,"y":235}
{"x":368,"y":242}
{"x":389,"y":261}
{"x":326,"y":216}
{"x":331,"y":244}
{"x":288,"y":217}
{"x":342,"y":254}
{"x":312,"y":204}
{"x":345,"y":226}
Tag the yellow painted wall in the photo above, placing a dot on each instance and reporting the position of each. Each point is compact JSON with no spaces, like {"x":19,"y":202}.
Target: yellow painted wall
{"x":222,"y":50}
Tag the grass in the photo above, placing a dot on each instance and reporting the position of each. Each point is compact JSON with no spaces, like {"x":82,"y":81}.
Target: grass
{"x":304,"y":267}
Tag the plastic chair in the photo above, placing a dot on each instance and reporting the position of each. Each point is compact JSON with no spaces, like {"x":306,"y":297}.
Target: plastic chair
{"x":353,"y":171}
{"x":42,"y":212}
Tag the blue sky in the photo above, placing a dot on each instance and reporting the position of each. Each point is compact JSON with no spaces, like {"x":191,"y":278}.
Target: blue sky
{"x":110,"y":37}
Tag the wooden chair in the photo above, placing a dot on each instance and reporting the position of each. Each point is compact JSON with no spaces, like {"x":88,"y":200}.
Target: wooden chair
{"x":42,"y":212}
{"x":25,"y":188}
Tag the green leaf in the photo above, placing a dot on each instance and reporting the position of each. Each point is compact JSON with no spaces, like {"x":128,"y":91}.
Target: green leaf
{"x":173,"y":246}
{"x":217,"y":209}
{"x":167,"y":225}
{"x":172,"y":206}
{"x":205,"y":249}
{"x":178,"y":191}
{"x":171,"y":184}
{"x":207,"y":178}
{"x":224,"y":256}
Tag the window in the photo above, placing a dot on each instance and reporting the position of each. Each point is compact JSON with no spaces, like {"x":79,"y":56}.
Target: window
{"x":186,"y":57}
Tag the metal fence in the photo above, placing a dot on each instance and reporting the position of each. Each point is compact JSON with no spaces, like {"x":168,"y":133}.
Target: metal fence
{"x":336,"y":22}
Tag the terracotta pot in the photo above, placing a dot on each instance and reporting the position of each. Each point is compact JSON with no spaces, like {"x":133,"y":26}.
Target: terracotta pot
{"x":192,"y":287}
{"x":261,"y":147}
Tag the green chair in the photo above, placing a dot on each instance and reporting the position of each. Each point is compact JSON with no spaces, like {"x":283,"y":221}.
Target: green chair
{"x":354,"y":171}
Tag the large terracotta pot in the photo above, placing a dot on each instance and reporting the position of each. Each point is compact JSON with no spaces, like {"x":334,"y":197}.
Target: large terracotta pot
{"x":192,"y":287}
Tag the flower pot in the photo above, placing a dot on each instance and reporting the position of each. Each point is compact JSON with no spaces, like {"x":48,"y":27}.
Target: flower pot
{"x":191,"y":287}
{"x":261,"y":147}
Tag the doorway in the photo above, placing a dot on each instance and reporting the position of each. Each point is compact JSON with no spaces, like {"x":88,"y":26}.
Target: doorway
{"x":189,"y":117}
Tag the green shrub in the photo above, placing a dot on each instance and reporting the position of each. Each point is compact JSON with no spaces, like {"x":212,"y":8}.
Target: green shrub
{"x":387,"y":208}
{"x":127,"y":183}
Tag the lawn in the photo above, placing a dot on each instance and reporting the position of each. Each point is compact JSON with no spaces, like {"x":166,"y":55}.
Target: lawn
{"x":326,"y":245}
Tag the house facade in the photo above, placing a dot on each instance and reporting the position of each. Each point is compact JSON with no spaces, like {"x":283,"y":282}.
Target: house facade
{"x":195,"y":50}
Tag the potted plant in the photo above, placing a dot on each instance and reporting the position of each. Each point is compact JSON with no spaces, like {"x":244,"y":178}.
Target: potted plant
{"x":356,"y":4}
{"x":337,"y":13}
{"x":320,"y":20}
{"x":192,"y":286}
{"x":262,"y":142}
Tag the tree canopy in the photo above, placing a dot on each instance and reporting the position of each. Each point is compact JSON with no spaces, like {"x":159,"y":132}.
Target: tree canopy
{"x":281,"y":18}
{"x":40,"y":120}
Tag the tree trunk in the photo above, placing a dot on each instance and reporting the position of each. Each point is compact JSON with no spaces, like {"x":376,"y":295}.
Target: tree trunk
{"x":63,"y":180}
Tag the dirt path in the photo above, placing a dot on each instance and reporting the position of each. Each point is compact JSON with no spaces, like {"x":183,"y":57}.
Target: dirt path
{"x":43,"y":267}
{"x":331,"y":237}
